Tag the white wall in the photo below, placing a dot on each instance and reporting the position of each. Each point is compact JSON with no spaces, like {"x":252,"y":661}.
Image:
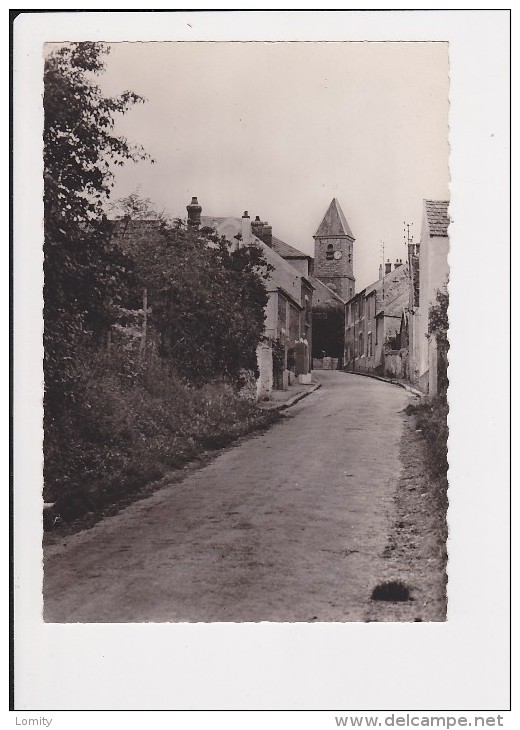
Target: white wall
{"x":433,"y":275}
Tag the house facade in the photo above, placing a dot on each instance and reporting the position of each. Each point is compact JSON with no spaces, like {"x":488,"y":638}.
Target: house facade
{"x":430,"y":275}
{"x":288,"y":313}
{"x":373,"y":324}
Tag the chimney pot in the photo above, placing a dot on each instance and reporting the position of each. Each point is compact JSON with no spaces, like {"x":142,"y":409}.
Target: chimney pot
{"x":194,"y":211}
{"x":257,"y":227}
{"x":267,"y":234}
{"x":246,"y":228}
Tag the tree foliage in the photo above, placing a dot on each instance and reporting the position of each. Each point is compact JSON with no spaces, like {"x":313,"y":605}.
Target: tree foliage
{"x":207,"y":300}
{"x":438,"y":318}
{"x":86,"y":275}
{"x":139,"y":208}
{"x":438,"y":328}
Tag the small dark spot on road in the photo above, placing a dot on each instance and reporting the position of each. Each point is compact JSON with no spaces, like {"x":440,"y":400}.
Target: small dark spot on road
{"x":392,"y":591}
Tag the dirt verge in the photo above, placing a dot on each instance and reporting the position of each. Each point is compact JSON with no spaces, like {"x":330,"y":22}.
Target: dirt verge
{"x":415,"y":554}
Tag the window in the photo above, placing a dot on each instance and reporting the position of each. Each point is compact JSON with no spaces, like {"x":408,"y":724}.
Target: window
{"x":369,"y":344}
{"x":330,"y":252}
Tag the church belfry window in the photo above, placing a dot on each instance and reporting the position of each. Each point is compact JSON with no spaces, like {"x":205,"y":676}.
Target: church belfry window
{"x":330,"y":252}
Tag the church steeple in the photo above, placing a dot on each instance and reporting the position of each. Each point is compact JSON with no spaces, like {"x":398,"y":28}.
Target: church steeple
{"x":334,"y":252}
{"x":334,"y":222}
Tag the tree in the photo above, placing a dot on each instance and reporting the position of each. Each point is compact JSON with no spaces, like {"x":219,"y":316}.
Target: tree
{"x":86,"y":275}
{"x":438,"y":328}
{"x":207,"y":301}
{"x":138,"y":208}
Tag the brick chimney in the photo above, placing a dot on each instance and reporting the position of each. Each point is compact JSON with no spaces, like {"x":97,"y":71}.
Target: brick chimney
{"x":267,"y":234}
{"x":388,"y":267}
{"x":194,"y":211}
{"x":257,"y":227}
{"x":398,"y":263}
{"x":246,"y":228}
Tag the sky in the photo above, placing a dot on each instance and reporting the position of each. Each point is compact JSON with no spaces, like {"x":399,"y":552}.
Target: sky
{"x":279,"y":129}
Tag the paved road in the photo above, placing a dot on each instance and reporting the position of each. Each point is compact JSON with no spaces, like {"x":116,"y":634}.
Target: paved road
{"x":288,"y":526}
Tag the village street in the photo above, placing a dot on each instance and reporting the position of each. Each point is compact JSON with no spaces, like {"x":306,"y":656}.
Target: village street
{"x":288,"y":525}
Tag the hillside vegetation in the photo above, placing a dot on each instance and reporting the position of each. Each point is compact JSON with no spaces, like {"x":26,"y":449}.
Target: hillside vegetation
{"x":149,"y":350}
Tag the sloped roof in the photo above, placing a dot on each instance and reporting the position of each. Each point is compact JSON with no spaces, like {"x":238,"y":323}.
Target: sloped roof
{"x":437,"y":216}
{"x":283,"y":276}
{"x":392,"y":291}
{"x":132,"y":234}
{"x":287,"y":252}
{"x":323,"y":292}
{"x":334,"y":222}
{"x":282,"y":248}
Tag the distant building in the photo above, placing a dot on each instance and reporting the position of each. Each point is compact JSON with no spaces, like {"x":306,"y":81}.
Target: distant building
{"x":288,"y":312}
{"x":288,"y":318}
{"x":334,"y":252}
{"x":373,"y":323}
{"x":430,"y":275}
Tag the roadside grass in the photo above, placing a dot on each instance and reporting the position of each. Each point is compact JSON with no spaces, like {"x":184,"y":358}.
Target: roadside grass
{"x":127,"y":430}
{"x":432,"y":421}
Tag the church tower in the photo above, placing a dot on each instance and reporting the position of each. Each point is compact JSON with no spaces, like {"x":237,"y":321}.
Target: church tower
{"x":334,"y":252}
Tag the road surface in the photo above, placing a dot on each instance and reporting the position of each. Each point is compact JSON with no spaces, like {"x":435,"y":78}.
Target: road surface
{"x":289,"y":525}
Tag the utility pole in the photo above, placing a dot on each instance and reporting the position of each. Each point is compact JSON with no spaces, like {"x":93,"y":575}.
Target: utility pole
{"x":382,"y":249}
{"x":408,"y":238}
{"x":408,"y":241}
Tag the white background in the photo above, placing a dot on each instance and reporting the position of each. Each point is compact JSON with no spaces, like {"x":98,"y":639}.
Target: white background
{"x":462,"y":664}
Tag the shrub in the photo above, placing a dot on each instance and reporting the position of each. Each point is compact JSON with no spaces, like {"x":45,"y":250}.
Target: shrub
{"x":432,"y":421}
{"x":121,"y":435}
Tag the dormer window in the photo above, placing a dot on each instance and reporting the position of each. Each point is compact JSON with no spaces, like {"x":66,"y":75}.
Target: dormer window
{"x":330,"y":252}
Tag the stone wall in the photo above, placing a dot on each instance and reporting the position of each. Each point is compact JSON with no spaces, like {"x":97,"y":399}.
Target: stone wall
{"x":264,"y":383}
{"x":394,"y":364}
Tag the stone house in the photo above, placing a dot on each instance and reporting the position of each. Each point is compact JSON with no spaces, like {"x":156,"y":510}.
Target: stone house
{"x":288,"y":314}
{"x":373,"y":323}
{"x":429,"y":263}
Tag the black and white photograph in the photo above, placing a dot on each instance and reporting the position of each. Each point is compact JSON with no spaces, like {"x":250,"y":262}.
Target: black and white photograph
{"x":246,"y":320}
{"x":246,"y":335}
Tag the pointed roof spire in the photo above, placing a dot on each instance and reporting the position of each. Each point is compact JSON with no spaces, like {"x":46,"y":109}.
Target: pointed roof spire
{"x":334,"y":222}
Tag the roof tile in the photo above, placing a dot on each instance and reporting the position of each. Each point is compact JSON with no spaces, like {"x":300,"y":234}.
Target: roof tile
{"x":437,"y":216}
